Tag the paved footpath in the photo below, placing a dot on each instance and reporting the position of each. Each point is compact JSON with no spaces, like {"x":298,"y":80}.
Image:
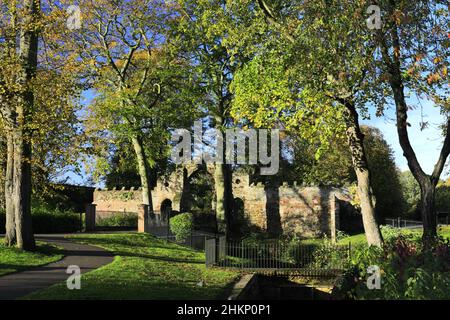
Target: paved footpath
{"x":88,"y":258}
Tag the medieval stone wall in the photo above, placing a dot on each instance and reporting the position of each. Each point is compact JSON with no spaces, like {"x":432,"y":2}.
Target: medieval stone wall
{"x":129,"y":200}
{"x":117,"y":201}
{"x":307,"y":211}
{"x":290,"y":208}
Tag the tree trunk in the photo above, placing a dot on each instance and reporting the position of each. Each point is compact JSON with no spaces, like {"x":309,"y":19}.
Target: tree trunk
{"x":371,"y":228}
{"x":223,"y":185}
{"x":426,"y":182}
{"x":22,"y":190}
{"x":355,"y":140}
{"x":28,"y":51}
{"x":10,"y":227}
{"x":427,"y":208}
{"x":144,"y":172}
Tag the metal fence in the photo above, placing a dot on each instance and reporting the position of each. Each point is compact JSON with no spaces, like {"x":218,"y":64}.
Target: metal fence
{"x":273,"y":257}
{"x":403,"y":223}
{"x":196,"y":239}
{"x":443,"y":219}
{"x":278,"y":257}
{"x":412,"y":224}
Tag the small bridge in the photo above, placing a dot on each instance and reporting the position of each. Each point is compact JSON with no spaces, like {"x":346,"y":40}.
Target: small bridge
{"x":276,"y":258}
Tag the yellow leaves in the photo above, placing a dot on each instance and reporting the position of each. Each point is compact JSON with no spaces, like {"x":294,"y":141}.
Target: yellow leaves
{"x":411,"y":71}
{"x":433,"y":77}
{"x":398,"y":16}
{"x":437,"y":60}
{"x":440,"y":73}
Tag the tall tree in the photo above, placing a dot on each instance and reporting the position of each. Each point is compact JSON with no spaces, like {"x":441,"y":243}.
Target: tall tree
{"x":210,"y":32}
{"x":22,"y":23}
{"x":386,"y":176}
{"x":29,"y":105}
{"x":140,"y":89}
{"x":322,"y":62}
{"x":414,"y":56}
{"x":115,"y":33}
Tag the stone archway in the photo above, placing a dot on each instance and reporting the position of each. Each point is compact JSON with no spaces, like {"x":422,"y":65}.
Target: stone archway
{"x":239,"y":222}
{"x":198,"y":192}
{"x":198,"y":198}
{"x":166,"y":210}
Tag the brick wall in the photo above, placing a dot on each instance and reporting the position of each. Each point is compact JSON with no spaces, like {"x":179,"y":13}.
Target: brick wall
{"x":308,"y":211}
{"x":290,"y":208}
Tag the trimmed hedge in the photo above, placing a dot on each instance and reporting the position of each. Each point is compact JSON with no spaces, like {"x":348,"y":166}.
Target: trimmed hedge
{"x":49,"y":221}
{"x":120,"y":220}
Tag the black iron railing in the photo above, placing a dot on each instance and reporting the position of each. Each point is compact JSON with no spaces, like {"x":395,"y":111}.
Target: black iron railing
{"x":267,"y":257}
{"x":196,"y":239}
{"x":441,"y":219}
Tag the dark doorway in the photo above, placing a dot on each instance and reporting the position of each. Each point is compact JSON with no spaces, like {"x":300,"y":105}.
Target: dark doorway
{"x":272,"y":191}
{"x":166,"y":210}
{"x":198,"y":193}
{"x":239,"y":222}
{"x":198,"y":198}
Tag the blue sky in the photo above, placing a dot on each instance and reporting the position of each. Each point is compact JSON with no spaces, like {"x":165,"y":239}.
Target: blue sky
{"x":426,"y":143}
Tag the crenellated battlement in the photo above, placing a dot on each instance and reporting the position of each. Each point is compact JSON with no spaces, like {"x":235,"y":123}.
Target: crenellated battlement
{"x":119,"y":189}
{"x":284,"y":207}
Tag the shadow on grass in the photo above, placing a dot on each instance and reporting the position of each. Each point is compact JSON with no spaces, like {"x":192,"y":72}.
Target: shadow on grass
{"x":32,"y":261}
{"x":7,"y":268}
{"x":114,"y":243}
{"x":156,"y":290}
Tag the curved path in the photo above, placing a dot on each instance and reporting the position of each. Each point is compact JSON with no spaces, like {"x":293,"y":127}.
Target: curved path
{"x":88,"y":258}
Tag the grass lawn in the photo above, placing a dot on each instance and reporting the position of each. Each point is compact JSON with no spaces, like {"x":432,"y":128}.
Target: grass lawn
{"x":361,"y":238}
{"x":13,"y":259}
{"x":145,"y":268}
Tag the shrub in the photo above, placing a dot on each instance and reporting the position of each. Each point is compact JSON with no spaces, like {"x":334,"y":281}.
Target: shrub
{"x":328,"y":255}
{"x":47,"y":220}
{"x":123,"y":220}
{"x":340,"y":235}
{"x":182,"y":225}
{"x":408,"y":270}
{"x":390,"y":233}
{"x":256,"y":238}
